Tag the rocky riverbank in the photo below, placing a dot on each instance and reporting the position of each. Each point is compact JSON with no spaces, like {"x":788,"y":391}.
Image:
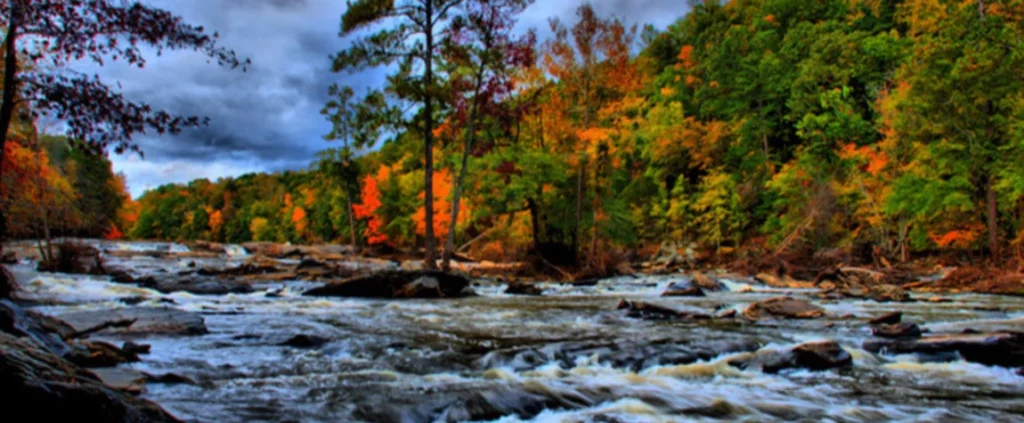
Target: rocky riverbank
{"x":362,"y":339}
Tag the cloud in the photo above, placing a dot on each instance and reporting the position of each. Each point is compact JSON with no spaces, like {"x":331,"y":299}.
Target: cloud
{"x":267,"y":119}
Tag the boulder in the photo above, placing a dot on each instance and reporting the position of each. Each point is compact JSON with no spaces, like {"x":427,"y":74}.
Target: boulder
{"x":823,"y":355}
{"x":649,"y":311}
{"x":131,"y":347}
{"x":99,"y":354}
{"x":169,"y":379}
{"x":783,"y":308}
{"x":147,"y":320}
{"x":993,"y":349}
{"x":397,"y":284}
{"x":8,"y":284}
{"x":46,"y":331}
{"x":305,"y":341}
{"x":707,"y":283}
{"x":684,"y":288}
{"x":891,"y":317}
{"x":897,"y":330}
{"x":40,"y":384}
{"x":129,"y":381}
{"x":523,"y":288}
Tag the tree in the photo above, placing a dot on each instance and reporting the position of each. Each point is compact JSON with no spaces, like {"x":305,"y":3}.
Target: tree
{"x":484,"y":56}
{"x":356,"y":125}
{"x":411,"y":42}
{"x":961,"y":89}
{"x":47,"y":35}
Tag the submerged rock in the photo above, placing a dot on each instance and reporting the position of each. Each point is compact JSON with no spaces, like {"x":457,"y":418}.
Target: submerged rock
{"x":397,"y":284}
{"x":523,"y":288}
{"x":649,"y":311}
{"x":40,"y":384}
{"x":993,"y":349}
{"x":897,"y":330}
{"x":783,"y":308}
{"x":823,"y":355}
{"x":147,"y":320}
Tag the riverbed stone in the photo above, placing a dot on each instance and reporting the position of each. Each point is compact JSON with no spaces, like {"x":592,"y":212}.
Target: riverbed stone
{"x":891,"y":317}
{"x":92,"y":354}
{"x":305,"y":341}
{"x":523,"y":288}
{"x":897,"y":330}
{"x":683,"y":288}
{"x":196,"y":284}
{"x":707,"y":282}
{"x":48,"y":332}
{"x":46,"y":387}
{"x":148,"y":320}
{"x":651,"y":311}
{"x":821,"y":355}
{"x":993,"y":349}
{"x":397,"y":284}
{"x":783,"y":308}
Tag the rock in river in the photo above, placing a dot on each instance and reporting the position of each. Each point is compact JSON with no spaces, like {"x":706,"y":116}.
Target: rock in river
{"x":897,"y":330}
{"x":195,"y":284}
{"x":993,"y":349}
{"x":649,"y":311}
{"x":887,"y":318}
{"x":685,"y":288}
{"x":523,"y":288}
{"x":397,"y":284}
{"x":147,"y":320}
{"x":46,"y":387}
{"x":821,"y":355}
{"x":784,"y":308}
{"x":305,"y":341}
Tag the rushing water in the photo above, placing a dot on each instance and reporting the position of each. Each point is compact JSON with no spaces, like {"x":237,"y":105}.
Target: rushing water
{"x":568,"y":356}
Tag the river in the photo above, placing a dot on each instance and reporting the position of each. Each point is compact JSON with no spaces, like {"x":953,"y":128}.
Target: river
{"x":568,"y":356}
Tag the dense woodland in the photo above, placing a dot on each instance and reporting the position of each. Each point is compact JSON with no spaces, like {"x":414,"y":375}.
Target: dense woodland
{"x":879,"y":129}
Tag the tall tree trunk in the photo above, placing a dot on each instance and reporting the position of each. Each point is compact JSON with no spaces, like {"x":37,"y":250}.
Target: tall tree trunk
{"x":351,"y":220}
{"x":993,"y":219}
{"x":534,"y":223}
{"x":449,"y":245}
{"x":428,"y":136}
{"x":7,"y":108}
{"x":764,"y":135}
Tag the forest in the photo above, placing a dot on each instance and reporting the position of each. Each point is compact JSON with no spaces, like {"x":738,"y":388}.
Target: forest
{"x":876,"y":129}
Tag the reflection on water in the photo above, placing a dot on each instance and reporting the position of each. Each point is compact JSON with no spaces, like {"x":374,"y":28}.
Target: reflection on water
{"x":566,"y":357}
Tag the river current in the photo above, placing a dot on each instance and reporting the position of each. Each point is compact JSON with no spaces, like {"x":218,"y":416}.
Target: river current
{"x":568,"y":356}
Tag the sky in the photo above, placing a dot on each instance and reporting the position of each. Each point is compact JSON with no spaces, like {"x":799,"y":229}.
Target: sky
{"x":268,"y":118}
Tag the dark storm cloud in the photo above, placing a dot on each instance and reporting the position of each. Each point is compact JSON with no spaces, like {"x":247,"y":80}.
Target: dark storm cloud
{"x":268,"y":119}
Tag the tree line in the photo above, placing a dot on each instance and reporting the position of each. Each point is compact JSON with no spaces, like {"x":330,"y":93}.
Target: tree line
{"x":877,"y":128}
